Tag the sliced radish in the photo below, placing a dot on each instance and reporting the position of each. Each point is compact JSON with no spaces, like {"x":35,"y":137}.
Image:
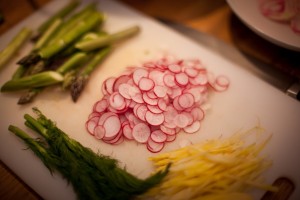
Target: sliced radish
{"x":169,"y":80}
{"x":141,"y":132}
{"x":148,"y":100}
{"x":100,"y":106}
{"x":154,"y":109}
{"x":155,"y":147}
{"x":168,"y":131}
{"x":182,"y":79}
{"x":197,"y":113}
{"x":109,"y":85}
{"x":99,"y":132}
{"x":181,"y":120}
{"x":174,"y":68}
{"x":120,"y":80}
{"x":157,"y":76}
{"x":146,"y":84}
{"x":193,"y":128}
{"x":112,"y":126}
{"x":117,"y":101}
{"x":138,"y":74}
{"x":124,"y":90}
{"x":191,"y":72}
{"x":90,"y":126}
{"x":127,"y":132}
{"x":171,"y":138}
{"x":158,"y":136}
{"x":186,"y":100}
{"x":154,"y":119}
{"x":153,"y":103}
{"x":160,"y":91}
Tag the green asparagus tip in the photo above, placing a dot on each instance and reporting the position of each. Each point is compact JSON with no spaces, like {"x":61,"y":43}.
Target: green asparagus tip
{"x":30,"y":59}
{"x":77,"y":87}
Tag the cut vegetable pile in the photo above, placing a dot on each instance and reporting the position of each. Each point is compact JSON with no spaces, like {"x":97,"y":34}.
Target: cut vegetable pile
{"x":282,"y":11}
{"x":153,"y":102}
{"x":223,"y":168}
{"x":70,"y":45}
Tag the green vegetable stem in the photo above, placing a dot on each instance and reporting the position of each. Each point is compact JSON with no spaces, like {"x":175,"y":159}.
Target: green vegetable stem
{"x":93,"y":176}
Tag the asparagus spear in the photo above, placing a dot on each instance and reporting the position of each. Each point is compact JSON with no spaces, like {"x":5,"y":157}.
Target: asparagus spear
{"x":93,"y":176}
{"x":23,"y":70}
{"x":74,"y":19}
{"x":80,"y":81}
{"x":107,"y":40}
{"x":14,"y":45}
{"x":72,"y":63}
{"x":88,"y":23}
{"x":63,"y":12}
{"x":37,"y":80}
{"x":46,"y":36}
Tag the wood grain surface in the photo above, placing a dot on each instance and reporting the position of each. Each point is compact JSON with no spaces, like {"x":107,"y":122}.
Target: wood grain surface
{"x":211,"y":17}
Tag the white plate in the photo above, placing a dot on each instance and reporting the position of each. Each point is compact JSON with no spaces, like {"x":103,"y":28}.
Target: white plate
{"x":277,"y":33}
{"x":247,"y":101}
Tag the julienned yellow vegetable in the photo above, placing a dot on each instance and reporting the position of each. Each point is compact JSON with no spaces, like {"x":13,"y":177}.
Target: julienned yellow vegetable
{"x":220,"y":169}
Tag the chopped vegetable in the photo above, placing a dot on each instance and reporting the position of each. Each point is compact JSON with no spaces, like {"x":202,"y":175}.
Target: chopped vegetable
{"x":107,"y":39}
{"x":63,"y":12}
{"x":152,"y":103}
{"x":283,"y":11}
{"x":89,"y":22}
{"x":14,"y":46}
{"x":223,"y":168}
{"x":93,"y":176}
{"x":81,"y":79}
{"x":37,"y":80}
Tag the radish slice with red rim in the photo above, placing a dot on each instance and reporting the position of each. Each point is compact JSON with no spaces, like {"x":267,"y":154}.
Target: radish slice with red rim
{"x":182,"y":79}
{"x":99,"y":132}
{"x":100,"y":106}
{"x":193,"y":128}
{"x":90,"y":126}
{"x":141,"y":132}
{"x":158,"y":136}
{"x":112,"y":126}
{"x":160,"y":91}
{"x":146,"y":84}
{"x":154,"y":119}
{"x":138,"y":74}
{"x":155,"y":147}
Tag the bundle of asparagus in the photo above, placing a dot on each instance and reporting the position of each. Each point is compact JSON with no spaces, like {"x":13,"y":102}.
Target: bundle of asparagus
{"x":67,"y":49}
{"x":92,"y":176}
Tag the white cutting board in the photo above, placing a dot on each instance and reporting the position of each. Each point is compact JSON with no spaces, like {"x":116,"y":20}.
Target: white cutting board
{"x":247,"y":100}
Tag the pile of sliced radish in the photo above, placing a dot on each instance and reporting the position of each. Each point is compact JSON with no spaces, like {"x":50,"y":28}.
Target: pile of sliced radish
{"x":151,"y":104}
{"x":283,"y":11}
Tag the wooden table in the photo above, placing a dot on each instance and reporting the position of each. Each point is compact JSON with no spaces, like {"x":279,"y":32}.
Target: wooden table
{"x":211,"y":17}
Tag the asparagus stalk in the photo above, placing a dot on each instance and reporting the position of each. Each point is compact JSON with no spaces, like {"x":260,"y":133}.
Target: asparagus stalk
{"x":13,"y":47}
{"x":46,"y":36}
{"x":74,"y":19}
{"x":87,"y":24}
{"x":107,"y":40}
{"x":71,"y":64}
{"x":63,"y":12}
{"x":43,"y":40}
{"x":80,"y":81}
{"x":37,"y":80}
